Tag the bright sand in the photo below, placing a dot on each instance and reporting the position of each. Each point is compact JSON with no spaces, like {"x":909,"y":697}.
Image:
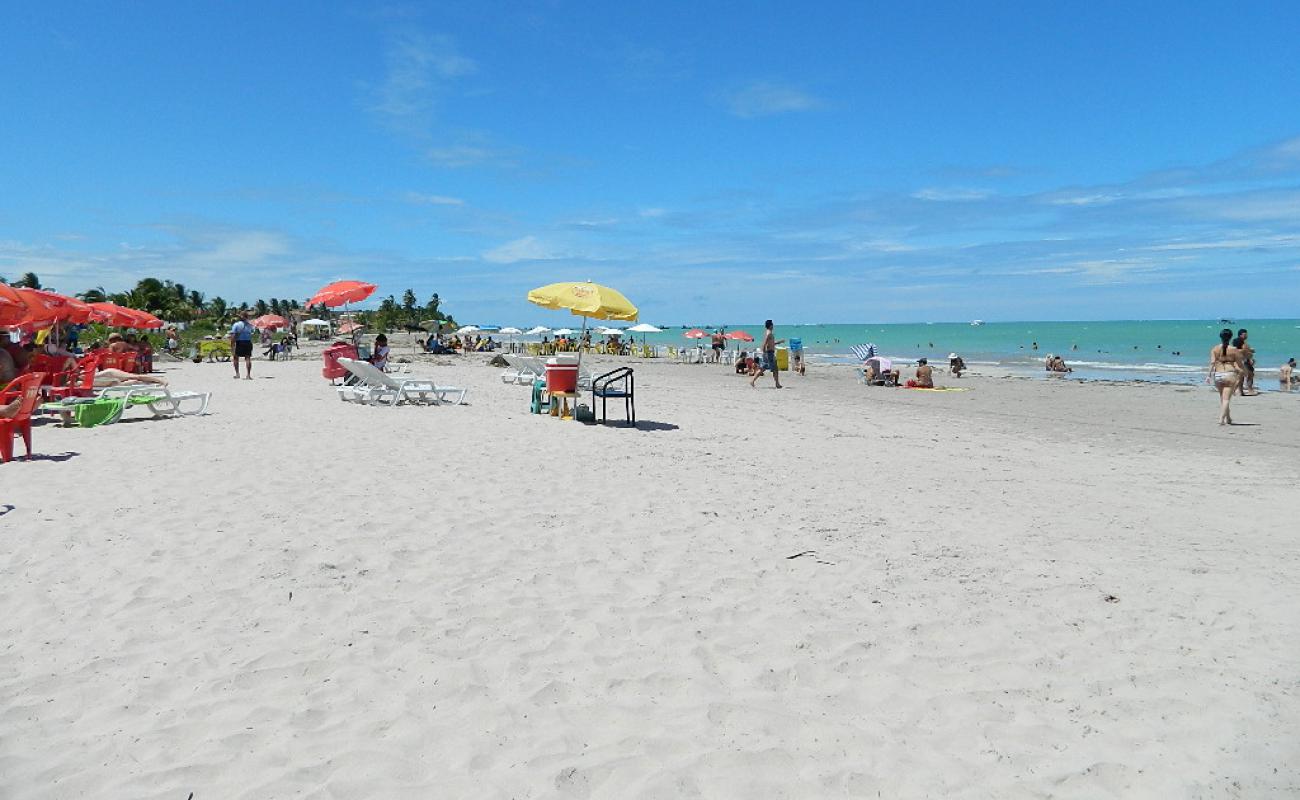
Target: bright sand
{"x":1031,"y":589}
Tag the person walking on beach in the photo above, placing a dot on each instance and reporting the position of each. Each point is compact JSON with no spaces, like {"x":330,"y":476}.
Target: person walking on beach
{"x":768,"y":354}
{"x":1227,"y":368}
{"x":1247,"y":386}
{"x":241,"y":345}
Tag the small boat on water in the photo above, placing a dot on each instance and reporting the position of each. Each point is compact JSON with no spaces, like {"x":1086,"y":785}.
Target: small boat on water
{"x":977,"y":322}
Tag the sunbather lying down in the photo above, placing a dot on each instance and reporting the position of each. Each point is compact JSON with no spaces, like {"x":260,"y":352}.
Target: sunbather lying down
{"x":116,"y":377}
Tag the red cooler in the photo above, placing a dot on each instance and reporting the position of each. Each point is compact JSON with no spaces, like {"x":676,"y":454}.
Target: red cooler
{"x":331,"y":369}
{"x":561,"y":374}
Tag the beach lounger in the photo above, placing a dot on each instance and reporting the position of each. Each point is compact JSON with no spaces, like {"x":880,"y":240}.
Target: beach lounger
{"x":374,"y":387}
{"x":162,"y":401}
{"x":523,"y":369}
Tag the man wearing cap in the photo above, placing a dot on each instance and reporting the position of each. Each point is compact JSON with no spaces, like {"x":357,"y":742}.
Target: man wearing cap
{"x":241,"y":345}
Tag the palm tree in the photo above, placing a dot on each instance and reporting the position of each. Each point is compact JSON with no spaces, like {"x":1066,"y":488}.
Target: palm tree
{"x":218,"y":307}
{"x":28,"y":280}
{"x":95,"y":295}
{"x":196,"y":300}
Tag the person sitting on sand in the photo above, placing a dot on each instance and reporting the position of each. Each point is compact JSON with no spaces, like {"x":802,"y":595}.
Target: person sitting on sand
{"x":956,"y":366}
{"x":924,"y":375}
{"x":380,"y":355}
{"x":741,"y":369}
{"x":870,"y":372}
{"x":1056,"y":364}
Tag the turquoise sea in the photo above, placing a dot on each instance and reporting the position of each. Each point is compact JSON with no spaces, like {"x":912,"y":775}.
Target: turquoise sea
{"x":1151,"y":350}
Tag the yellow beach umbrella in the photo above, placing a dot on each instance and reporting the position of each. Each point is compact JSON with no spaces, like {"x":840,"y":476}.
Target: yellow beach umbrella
{"x":585,"y":299}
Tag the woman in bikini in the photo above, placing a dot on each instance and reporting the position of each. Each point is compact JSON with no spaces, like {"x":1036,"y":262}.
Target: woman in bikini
{"x":1226,"y":371}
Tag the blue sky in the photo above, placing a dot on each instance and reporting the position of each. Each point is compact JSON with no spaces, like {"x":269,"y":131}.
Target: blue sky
{"x":718,"y":163}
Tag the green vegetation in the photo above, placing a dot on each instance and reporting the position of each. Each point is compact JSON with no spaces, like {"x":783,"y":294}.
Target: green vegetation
{"x":204,"y":316}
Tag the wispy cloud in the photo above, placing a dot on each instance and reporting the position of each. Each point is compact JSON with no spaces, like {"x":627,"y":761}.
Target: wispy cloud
{"x":765,"y":99}
{"x":419,"y":199}
{"x":951,"y":195}
{"x":418,"y":69}
{"x":465,"y":155}
{"x":527,"y":248}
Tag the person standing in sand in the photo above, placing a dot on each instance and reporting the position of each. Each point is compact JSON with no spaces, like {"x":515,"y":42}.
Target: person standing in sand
{"x":767,"y":354}
{"x":241,"y":345}
{"x":1227,"y":368}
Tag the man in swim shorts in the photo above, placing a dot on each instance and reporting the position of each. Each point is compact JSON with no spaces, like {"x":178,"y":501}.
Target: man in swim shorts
{"x":241,"y":345}
{"x":768,"y":355}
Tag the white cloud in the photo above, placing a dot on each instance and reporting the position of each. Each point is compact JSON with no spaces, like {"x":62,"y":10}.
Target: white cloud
{"x":418,"y":67}
{"x":763,"y":99}
{"x":529,"y":248}
{"x":951,"y":195}
{"x":416,"y":198}
{"x":461,"y":155}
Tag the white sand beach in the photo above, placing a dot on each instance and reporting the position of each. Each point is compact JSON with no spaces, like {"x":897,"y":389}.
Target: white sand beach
{"x":1031,"y":589}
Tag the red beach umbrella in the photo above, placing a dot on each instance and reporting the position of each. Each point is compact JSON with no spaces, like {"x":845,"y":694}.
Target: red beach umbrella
{"x":695,"y":333}
{"x":44,"y":308}
{"x":738,"y":336}
{"x":146,"y":320}
{"x":342,"y":292}
{"x":13,"y":308}
{"x":270,"y":322}
{"x":121,"y":317}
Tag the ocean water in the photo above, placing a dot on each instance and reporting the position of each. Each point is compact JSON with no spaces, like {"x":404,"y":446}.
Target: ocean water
{"x":1152,"y":350}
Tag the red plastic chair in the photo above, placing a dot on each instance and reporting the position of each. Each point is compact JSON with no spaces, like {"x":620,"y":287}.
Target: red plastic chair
{"x":53,"y":367}
{"x":81,"y":384}
{"x":28,"y":388}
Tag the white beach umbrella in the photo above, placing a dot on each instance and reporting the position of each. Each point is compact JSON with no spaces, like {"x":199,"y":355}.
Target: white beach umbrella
{"x":537,"y":331}
{"x":643,"y":328}
{"x":467,"y":329}
{"x":512,"y":333}
{"x":565,"y":332}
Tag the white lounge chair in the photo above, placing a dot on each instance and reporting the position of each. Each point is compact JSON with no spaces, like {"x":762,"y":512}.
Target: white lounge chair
{"x":378,"y":388}
{"x":523,"y":369}
{"x":161,"y":400}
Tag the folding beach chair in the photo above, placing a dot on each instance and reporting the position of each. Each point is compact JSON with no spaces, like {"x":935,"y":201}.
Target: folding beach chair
{"x":863,"y":351}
